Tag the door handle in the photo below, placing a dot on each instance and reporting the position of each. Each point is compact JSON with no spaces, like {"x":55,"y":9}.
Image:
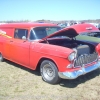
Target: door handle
{"x":11,"y":41}
{"x":24,"y":41}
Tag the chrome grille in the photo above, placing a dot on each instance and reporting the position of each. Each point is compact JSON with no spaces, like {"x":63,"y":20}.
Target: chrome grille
{"x":85,"y":59}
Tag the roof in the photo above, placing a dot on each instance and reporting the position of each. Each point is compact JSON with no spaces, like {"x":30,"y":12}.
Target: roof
{"x":26,"y":25}
{"x":84,"y":27}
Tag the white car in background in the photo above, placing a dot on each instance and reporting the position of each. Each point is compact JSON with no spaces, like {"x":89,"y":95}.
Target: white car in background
{"x":95,"y":24}
{"x":2,"y":23}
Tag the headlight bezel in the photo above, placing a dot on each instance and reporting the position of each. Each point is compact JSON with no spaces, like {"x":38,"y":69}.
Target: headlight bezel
{"x":72,"y":56}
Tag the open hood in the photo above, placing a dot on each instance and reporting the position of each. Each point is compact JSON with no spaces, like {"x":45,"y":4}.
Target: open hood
{"x":69,"y":32}
{"x":79,"y":28}
{"x":74,"y":30}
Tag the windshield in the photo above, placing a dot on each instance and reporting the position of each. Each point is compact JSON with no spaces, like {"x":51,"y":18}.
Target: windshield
{"x":93,"y":34}
{"x":42,"y":32}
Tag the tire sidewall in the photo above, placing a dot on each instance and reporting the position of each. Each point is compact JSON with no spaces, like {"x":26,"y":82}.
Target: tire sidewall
{"x":55,"y":70}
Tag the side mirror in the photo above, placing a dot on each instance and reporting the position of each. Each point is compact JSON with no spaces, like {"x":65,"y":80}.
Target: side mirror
{"x":23,"y":37}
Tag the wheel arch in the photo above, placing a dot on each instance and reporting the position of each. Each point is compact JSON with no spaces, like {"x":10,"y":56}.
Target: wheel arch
{"x":42,"y":59}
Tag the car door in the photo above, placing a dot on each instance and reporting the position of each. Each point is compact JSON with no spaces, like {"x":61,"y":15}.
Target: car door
{"x":20,"y":46}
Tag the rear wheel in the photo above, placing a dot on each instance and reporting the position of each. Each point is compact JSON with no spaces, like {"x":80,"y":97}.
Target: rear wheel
{"x":1,"y":58}
{"x":49,"y":72}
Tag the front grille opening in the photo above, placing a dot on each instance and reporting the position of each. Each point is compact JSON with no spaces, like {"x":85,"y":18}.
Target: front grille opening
{"x":85,"y":59}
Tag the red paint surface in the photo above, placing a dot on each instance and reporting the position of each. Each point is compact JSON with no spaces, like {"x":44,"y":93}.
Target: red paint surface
{"x":28,"y":53}
{"x":79,"y":28}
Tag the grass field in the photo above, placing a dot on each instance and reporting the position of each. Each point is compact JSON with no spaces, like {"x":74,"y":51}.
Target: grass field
{"x":19,"y":83}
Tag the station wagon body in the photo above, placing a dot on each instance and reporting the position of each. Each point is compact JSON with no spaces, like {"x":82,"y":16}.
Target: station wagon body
{"x":46,"y":46}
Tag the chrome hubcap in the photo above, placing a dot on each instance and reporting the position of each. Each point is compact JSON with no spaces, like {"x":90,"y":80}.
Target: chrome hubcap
{"x":48,"y":72}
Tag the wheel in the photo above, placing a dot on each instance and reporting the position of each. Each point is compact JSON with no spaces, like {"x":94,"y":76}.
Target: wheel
{"x":1,"y":58}
{"x":49,"y":72}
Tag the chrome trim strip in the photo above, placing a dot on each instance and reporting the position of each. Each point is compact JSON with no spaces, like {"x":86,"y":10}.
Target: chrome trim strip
{"x":82,"y":71}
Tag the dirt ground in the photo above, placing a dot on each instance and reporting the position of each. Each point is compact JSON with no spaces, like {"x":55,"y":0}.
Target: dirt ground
{"x":19,"y":83}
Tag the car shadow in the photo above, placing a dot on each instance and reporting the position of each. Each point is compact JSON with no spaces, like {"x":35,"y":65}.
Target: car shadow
{"x":35,"y":72}
{"x":65,"y":82}
{"x":81,"y":79}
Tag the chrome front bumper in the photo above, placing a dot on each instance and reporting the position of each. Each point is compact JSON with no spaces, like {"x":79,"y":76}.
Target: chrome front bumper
{"x":82,"y":71}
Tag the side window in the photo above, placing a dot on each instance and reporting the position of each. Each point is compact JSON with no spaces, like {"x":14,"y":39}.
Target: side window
{"x":19,"y":33}
{"x":32,"y":37}
{"x":38,"y":33}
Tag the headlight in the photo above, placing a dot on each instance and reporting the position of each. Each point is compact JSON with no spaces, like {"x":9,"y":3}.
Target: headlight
{"x":72,"y":56}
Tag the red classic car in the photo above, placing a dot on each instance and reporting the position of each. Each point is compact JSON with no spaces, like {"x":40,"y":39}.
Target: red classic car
{"x":54,"y":51}
{"x":84,"y":28}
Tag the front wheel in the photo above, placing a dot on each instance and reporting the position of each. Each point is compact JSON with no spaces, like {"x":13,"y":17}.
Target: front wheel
{"x":49,"y":72}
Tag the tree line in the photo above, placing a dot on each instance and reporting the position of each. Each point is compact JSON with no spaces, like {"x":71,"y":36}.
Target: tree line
{"x":43,"y":20}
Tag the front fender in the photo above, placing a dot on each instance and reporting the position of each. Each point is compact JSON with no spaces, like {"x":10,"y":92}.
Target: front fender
{"x":57,"y":54}
{"x":53,"y":50}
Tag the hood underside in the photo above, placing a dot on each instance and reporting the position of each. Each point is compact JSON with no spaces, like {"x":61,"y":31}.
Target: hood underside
{"x":68,"y":32}
{"x":74,"y":30}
